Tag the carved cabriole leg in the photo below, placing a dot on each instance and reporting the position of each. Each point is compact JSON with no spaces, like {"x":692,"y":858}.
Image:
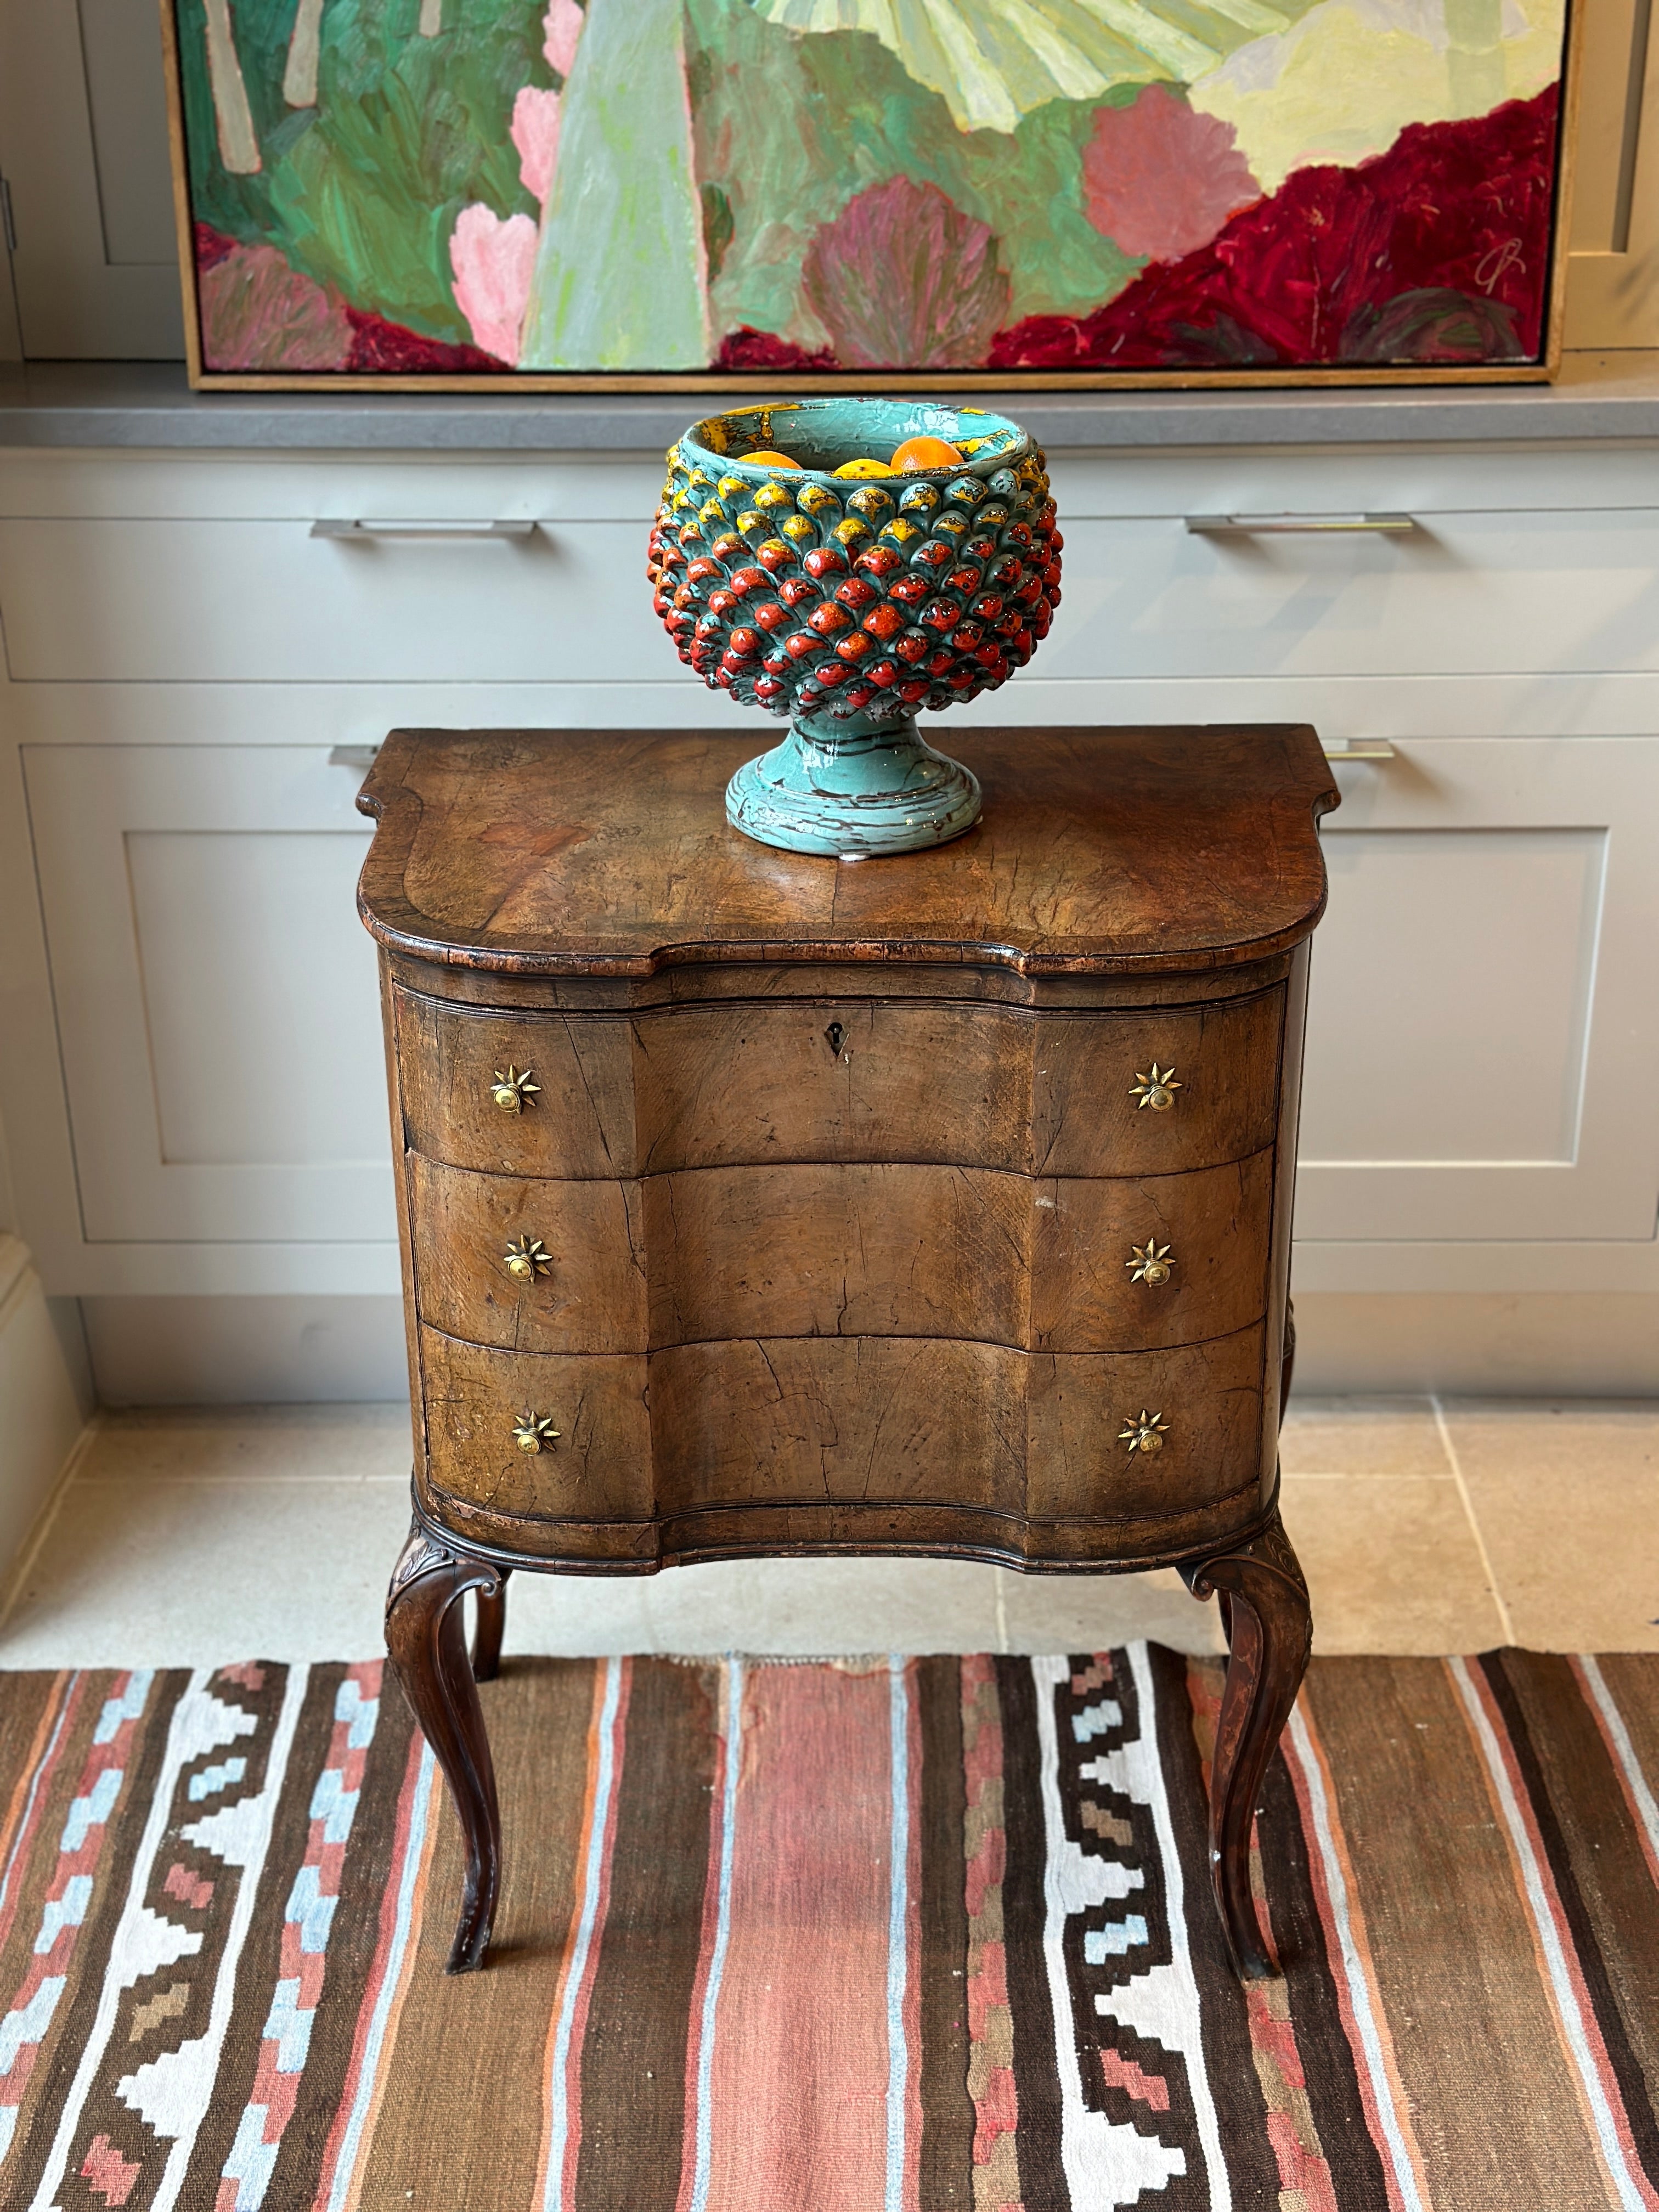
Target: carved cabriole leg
{"x":424,"y":1638}
{"x":1269,"y":1635}
{"x":489,"y":1629}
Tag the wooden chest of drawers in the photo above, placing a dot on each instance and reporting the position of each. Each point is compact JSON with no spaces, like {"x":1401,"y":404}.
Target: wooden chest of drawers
{"x":754,"y":1202}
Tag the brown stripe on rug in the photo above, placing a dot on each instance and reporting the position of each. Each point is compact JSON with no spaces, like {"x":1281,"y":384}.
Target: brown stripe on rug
{"x":946,"y":2164}
{"x":460,"y":2120}
{"x":1599,"y":1874}
{"x":226,"y":1900}
{"x":1489,"y":2092}
{"x":634,"y":2055}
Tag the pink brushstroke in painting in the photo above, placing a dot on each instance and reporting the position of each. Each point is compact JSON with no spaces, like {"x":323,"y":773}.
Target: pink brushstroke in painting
{"x":903,"y":277}
{"x":535,"y":134}
{"x":1158,"y":178}
{"x":493,"y":262}
{"x":562,"y":25}
{"x":257,"y":313}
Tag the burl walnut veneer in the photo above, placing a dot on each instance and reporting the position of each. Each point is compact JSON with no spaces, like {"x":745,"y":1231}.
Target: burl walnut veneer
{"x":758,"y":1203}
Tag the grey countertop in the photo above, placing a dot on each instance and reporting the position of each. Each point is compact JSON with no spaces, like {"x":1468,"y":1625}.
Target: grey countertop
{"x":149,"y":404}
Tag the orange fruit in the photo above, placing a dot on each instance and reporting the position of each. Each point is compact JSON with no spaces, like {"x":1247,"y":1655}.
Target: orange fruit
{"x":925,"y":453}
{"x":773,"y":460}
{"x":864,"y":467}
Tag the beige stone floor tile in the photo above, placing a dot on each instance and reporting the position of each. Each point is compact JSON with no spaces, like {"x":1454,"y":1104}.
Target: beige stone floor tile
{"x":146,"y":1573}
{"x":1566,"y":1497}
{"x":1391,"y":1566}
{"x":792,"y":1607}
{"x":1093,"y":1613}
{"x":1362,"y":1436}
{"x":218,"y":1444}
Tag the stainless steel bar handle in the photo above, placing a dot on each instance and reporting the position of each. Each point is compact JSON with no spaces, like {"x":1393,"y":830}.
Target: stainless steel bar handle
{"x":347,"y":527}
{"x":1281,"y":526}
{"x":1362,"y":749}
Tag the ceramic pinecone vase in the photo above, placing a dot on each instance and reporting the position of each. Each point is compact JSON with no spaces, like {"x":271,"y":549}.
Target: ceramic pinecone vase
{"x":851,"y":605}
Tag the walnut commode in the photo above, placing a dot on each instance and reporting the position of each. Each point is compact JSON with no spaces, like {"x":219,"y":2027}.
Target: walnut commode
{"x":758,"y":1203}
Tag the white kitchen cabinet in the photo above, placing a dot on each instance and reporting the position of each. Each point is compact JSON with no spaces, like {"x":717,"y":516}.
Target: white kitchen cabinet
{"x":192,"y":1084}
{"x":217,"y":999}
{"x":1483,"y":1054}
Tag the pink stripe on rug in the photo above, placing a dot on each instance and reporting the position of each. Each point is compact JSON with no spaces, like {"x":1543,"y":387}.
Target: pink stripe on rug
{"x":800,"y":2073}
{"x":562,"y":2134}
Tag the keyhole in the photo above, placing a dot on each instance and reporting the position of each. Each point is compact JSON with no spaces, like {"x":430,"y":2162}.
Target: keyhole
{"x":837,"y":1036}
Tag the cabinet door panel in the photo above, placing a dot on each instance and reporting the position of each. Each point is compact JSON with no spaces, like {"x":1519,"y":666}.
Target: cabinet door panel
{"x":216,"y":998}
{"x":1481,"y":1052}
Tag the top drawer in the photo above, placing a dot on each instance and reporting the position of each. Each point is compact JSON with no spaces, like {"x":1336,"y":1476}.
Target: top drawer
{"x":1464,"y":594}
{"x":988,"y":1086}
{"x":207,"y":600}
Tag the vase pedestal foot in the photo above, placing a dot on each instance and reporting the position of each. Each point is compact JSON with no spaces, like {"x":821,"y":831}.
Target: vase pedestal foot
{"x":853,"y":786}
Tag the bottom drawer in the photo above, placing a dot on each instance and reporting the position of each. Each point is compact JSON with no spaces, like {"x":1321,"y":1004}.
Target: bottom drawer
{"x":908,"y":1423}
{"x":879,"y":1420}
{"x":1209,"y":1444}
{"x":597,"y":1467}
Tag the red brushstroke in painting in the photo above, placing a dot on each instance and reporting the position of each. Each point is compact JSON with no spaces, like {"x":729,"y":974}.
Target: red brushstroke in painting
{"x":211,"y":247}
{"x":748,"y":348}
{"x":1436,"y":250}
{"x":390,"y":349}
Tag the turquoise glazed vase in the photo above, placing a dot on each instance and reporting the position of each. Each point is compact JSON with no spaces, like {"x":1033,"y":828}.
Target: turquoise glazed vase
{"x":851,"y":604}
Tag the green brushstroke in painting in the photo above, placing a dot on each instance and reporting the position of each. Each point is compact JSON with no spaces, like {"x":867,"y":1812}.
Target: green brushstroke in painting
{"x":362,"y":191}
{"x":789,"y":128}
{"x":620,"y":264}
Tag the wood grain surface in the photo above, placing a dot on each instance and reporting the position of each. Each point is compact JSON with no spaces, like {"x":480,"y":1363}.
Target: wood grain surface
{"x":580,"y":1122}
{"x":1209,"y":1394}
{"x":975,"y":1086}
{"x":895,"y":1423}
{"x":599,"y":1466}
{"x":592,"y":1296}
{"x":607,"y":852}
{"x":1215,"y":1224}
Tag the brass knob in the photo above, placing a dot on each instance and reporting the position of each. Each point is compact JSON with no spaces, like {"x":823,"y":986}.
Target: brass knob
{"x":526,"y":1257}
{"x":1157,"y":1089}
{"x":535,"y":1432}
{"x":514,"y":1091}
{"x":1151,"y":1262}
{"x":1145,"y":1433}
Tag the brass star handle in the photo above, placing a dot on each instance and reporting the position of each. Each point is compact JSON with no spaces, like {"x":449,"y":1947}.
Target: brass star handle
{"x":527,"y":1257}
{"x":1150,"y":1262}
{"x":1157,"y":1089}
{"x":1145,"y":1433}
{"x":513,"y":1089}
{"x":535,"y":1432}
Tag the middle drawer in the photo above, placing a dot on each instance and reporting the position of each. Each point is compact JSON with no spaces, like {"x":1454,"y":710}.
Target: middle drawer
{"x":849,"y":1248}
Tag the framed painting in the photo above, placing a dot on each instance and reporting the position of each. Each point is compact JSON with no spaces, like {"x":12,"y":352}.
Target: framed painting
{"x":976,"y":194}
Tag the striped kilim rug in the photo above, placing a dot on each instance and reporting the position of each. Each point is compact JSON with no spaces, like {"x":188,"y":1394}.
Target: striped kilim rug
{"x":851,"y":1937}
